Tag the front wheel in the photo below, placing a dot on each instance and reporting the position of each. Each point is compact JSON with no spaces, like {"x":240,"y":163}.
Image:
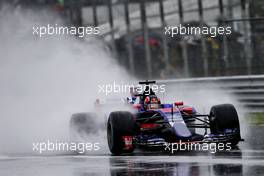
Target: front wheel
{"x":224,"y":118}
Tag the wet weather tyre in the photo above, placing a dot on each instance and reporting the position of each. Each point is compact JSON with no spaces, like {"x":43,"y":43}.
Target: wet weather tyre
{"x":224,"y":117}
{"x":120,"y":123}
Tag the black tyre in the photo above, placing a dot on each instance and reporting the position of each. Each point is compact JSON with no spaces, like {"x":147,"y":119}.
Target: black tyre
{"x":120,"y":123}
{"x":83,"y":124}
{"x":224,"y":117}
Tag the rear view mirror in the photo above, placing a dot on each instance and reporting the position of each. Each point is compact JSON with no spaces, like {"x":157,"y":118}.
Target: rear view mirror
{"x":178,"y":103}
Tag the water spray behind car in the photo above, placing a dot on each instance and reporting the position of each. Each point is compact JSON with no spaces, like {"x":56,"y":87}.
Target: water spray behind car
{"x":45,"y":80}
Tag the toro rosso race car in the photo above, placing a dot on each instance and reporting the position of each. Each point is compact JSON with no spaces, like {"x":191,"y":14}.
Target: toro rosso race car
{"x":155,"y":124}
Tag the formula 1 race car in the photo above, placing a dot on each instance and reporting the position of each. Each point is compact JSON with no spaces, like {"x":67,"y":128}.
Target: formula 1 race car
{"x":155,"y":124}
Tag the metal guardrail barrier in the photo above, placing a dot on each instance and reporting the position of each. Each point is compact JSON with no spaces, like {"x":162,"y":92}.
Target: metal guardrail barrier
{"x":249,"y":90}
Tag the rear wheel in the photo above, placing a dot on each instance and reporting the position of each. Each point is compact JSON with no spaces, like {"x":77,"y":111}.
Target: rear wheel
{"x":224,"y":117}
{"x":83,"y":124}
{"x":120,"y":125}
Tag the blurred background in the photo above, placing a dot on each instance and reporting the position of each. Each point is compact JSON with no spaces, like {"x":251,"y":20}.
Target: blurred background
{"x":134,"y":32}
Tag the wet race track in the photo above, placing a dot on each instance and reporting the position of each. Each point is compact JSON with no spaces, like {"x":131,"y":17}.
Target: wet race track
{"x":247,"y":160}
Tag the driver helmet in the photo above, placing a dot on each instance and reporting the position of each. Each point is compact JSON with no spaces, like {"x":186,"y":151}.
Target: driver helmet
{"x":152,"y":102}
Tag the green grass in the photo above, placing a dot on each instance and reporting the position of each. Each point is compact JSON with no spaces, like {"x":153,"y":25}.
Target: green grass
{"x":256,"y":118}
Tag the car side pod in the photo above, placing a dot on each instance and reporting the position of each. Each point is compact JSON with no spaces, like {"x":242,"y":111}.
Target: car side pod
{"x":181,"y":130}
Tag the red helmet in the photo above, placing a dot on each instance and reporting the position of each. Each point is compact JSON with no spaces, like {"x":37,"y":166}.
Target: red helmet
{"x":152,"y":102}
